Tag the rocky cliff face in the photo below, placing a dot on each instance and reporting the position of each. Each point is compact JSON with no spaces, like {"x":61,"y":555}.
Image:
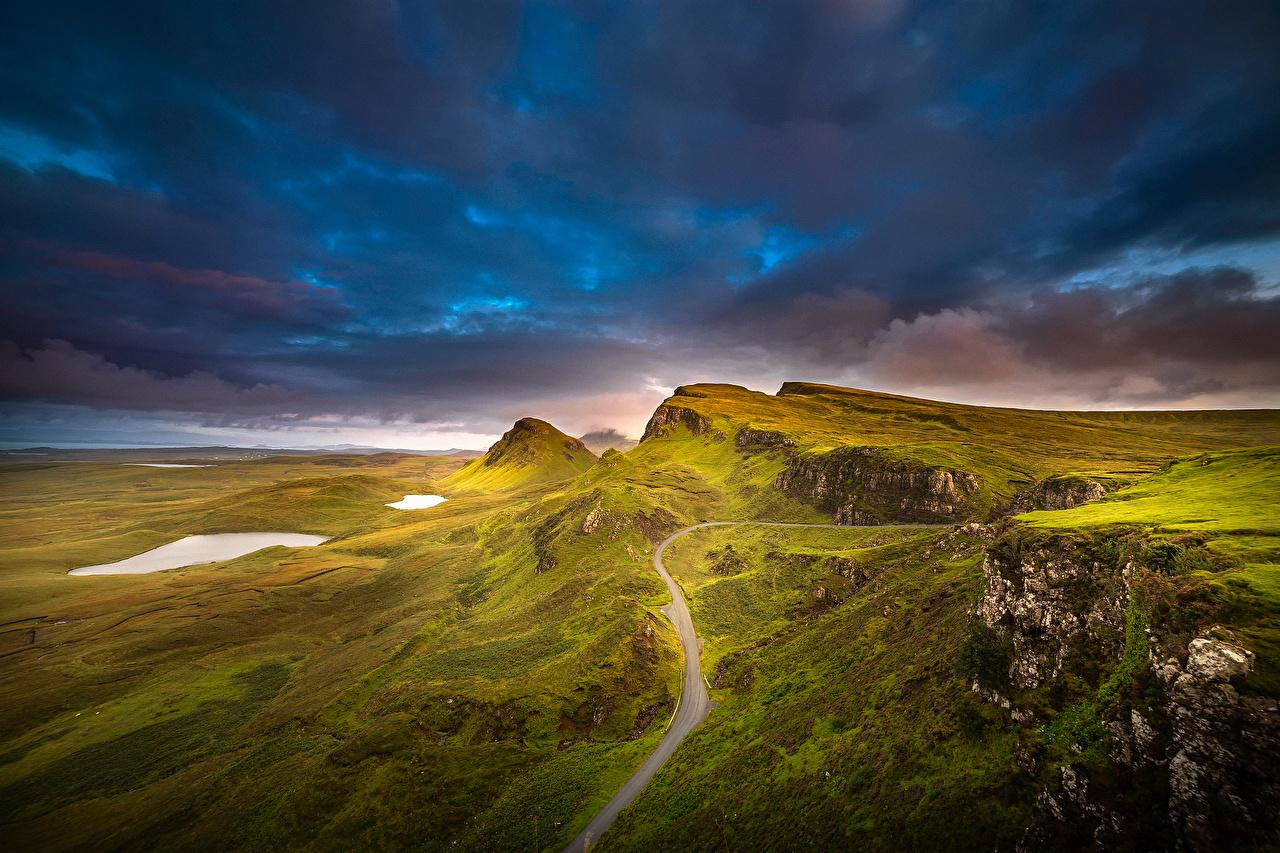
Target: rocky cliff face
{"x":1053,"y":601}
{"x":751,"y":439}
{"x":1058,"y":493}
{"x":1139,"y":736}
{"x":667,"y":418}
{"x":863,"y":485}
{"x":1223,"y":748}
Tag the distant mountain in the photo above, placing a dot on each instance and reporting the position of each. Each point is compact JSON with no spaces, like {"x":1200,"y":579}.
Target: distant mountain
{"x":215,"y":452}
{"x":531,"y":451}
{"x":364,"y":448}
{"x":598,"y":441}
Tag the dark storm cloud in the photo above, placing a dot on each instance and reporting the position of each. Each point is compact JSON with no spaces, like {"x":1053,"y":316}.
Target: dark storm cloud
{"x":243,"y":294}
{"x":1217,"y":191}
{"x":443,"y":211}
{"x":1215,"y":318}
{"x":59,"y":371}
{"x":1204,"y":336}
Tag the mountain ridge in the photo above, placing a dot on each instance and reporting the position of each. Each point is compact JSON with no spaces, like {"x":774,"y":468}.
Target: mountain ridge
{"x":814,"y":430}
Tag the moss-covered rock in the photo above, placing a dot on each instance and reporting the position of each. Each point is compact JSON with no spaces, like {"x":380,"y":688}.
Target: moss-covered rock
{"x":867,"y":485}
{"x":1140,"y":737}
{"x":1060,"y":492}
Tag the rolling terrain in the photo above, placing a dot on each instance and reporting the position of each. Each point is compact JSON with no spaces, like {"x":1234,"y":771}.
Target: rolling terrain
{"x":939,"y":669}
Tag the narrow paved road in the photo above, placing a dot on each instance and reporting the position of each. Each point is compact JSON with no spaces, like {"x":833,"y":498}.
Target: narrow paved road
{"x":693,"y":705}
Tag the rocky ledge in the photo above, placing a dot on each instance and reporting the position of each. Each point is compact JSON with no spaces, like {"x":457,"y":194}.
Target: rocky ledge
{"x":751,"y":439}
{"x":667,"y":418}
{"x":1223,"y":748}
{"x":1179,"y":755}
{"x":864,"y":485}
{"x":1052,"y":601}
{"x":1062,"y":492}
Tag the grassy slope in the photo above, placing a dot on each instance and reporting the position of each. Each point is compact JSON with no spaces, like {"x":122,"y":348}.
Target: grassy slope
{"x":837,"y":725}
{"x":407,"y":684}
{"x":1221,"y":493}
{"x":917,"y":766}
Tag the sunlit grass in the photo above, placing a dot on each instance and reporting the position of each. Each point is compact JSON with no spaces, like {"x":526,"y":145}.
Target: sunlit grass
{"x":1233,"y":491}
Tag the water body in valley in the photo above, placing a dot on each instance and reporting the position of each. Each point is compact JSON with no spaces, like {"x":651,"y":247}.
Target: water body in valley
{"x":163,"y":465}
{"x":195,"y":550}
{"x":417,"y":502}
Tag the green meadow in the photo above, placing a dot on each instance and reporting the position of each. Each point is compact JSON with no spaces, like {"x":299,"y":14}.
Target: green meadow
{"x":409,"y":683}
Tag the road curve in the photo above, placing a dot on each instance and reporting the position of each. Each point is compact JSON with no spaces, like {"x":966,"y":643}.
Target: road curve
{"x":693,"y":705}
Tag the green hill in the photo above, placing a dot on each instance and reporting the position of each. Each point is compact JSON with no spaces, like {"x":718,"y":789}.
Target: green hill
{"x":531,"y":452}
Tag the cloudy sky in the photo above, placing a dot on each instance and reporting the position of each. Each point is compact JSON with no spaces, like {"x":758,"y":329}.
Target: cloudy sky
{"x":298,"y":223}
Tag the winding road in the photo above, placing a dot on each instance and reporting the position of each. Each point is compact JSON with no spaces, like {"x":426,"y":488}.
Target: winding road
{"x":693,"y":705}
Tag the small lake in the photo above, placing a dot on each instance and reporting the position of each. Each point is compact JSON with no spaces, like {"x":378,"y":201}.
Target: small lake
{"x":163,"y":465}
{"x":195,"y":550}
{"x":417,"y":502}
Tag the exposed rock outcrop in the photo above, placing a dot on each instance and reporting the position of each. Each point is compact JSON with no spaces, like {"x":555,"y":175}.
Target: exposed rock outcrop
{"x":590,"y":515}
{"x":1177,"y":758}
{"x":726,"y":561}
{"x":653,"y":525}
{"x":751,"y":439}
{"x":550,"y":530}
{"x":1224,"y":749}
{"x":864,"y":485}
{"x":1194,"y":771}
{"x":1058,"y":493}
{"x":1052,"y":600}
{"x":667,"y":418}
